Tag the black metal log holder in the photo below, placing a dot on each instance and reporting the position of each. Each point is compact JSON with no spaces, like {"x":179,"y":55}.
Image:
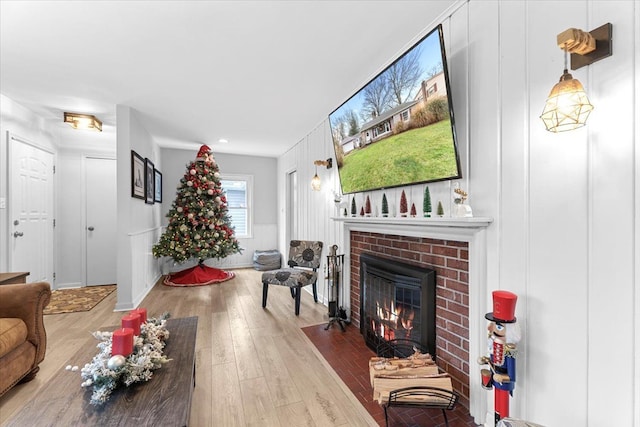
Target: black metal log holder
{"x":333,"y":270}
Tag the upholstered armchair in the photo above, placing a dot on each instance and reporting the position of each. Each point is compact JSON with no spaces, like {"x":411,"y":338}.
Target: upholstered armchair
{"x":304,"y":261}
{"x":23,"y":339}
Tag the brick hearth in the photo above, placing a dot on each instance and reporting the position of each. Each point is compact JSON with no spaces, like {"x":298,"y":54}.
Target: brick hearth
{"x":450,"y":259}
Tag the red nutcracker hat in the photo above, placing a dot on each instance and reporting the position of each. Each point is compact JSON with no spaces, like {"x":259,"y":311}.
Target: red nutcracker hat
{"x":504,"y":307}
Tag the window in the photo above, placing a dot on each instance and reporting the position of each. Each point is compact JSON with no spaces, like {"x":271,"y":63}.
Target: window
{"x":239,"y":190}
{"x":405,"y":116}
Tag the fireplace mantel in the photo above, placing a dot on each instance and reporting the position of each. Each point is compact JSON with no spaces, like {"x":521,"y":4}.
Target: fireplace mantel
{"x":470,"y":230}
{"x":444,"y":228}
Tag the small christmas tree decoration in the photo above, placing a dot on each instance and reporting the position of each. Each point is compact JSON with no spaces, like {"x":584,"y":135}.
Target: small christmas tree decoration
{"x":353,"y":207}
{"x":403,"y":204}
{"x":367,"y":207}
{"x":413,"y":210}
{"x":361,"y":211}
{"x":385,"y":206}
{"x":345,"y":212}
{"x":426,"y":204}
{"x":440,"y":209}
{"x":199,"y":224}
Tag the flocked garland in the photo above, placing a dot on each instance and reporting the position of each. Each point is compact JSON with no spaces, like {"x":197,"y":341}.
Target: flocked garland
{"x":106,"y":373}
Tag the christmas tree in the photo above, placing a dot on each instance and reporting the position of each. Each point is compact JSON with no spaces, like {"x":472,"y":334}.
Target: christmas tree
{"x":403,"y":204}
{"x":199,"y":222}
{"x":413,"y":210}
{"x":426,"y":205}
{"x":367,"y":207}
{"x":385,"y":205}
{"x":353,"y":207}
{"x":440,"y":210}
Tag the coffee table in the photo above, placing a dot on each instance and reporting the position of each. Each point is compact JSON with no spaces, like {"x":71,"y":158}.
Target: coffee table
{"x":165,"y":400}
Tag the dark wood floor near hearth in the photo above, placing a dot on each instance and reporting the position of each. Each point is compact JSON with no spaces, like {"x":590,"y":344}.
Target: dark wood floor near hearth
{"x":349,"y":356}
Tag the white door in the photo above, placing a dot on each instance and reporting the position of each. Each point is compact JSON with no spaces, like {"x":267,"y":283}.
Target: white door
{"x":101,"y":224}
{"x":30,"y":210}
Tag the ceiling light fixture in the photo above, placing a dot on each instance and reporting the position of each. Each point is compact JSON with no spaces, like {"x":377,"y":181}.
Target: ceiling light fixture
{"x":83,"y":121}
{"x":568,"y":106}
{"x":315,"y":181}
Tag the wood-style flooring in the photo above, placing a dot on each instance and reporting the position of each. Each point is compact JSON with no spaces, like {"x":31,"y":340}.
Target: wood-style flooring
{"x":255,"y":367}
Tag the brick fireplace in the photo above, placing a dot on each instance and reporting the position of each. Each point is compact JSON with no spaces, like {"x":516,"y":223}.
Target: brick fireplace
{"x":450,"y":261}
{"x":456,"y":249}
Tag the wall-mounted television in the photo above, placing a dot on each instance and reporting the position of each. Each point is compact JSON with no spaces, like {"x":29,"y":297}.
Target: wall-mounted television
{"x":399,"y":128}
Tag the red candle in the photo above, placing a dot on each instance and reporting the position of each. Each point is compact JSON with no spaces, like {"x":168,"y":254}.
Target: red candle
{"x":122,"y":342}
{"x":143,"y":314}
{"x":132,"y":320}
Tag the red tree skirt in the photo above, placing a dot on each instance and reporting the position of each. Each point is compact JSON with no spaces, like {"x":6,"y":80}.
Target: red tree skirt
{"x":199,"y":275}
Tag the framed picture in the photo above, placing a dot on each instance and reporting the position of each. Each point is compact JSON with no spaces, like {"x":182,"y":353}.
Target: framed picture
{"x":158,"y":186}
{"x":137,"y":176}
{"x":149,"y":182}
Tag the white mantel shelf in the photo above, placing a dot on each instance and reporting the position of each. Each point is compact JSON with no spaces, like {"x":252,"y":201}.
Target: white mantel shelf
{"x":463,"y":229}
{"x":474,"y":222}
{"x":470,"y":230}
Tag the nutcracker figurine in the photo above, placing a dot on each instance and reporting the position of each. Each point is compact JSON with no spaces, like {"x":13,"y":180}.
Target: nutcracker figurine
{"x":504,"y":334}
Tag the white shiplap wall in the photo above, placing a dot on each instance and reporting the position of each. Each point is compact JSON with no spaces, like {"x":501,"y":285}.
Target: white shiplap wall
{"x":566,"y":207}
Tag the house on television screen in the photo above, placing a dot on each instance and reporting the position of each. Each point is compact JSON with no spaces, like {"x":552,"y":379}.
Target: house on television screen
{"x":397,"y":119}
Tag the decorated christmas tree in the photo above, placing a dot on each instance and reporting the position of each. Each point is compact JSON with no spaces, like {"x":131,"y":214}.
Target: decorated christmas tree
{"x":385,"y":205}
{"x":199,"y":224}
{"x":403,"y":204}
{"x":426,"y":204}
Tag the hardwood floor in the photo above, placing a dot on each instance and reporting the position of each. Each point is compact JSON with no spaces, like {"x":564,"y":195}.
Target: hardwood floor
{"x":255,"y":367}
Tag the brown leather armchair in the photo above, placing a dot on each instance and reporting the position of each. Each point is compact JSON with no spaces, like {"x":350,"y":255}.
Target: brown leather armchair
{"x":23,"y":340}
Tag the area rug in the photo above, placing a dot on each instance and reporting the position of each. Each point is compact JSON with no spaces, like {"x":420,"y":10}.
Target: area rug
{"x":199,"y":275}
{"x":77,"y":299}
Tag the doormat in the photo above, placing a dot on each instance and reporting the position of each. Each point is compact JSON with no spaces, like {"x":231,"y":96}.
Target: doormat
{"x":77,"y":299}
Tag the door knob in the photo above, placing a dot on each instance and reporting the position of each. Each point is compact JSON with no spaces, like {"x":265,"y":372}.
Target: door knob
{"x":18,"y":234}
{"x":90,"y":228}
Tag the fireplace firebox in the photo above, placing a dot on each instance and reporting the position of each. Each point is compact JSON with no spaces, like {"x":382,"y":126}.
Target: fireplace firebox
{"x":398,"y":301}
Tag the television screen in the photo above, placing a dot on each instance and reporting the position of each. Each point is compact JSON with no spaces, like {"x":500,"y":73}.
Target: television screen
{"x":399,"y":128}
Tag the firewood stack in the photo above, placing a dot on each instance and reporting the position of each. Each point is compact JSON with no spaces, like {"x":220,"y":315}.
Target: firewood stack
{"x":418,"y":369}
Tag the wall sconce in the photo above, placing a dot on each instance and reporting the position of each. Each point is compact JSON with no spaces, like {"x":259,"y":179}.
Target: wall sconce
{"x":83,"y":121}
{"x":315,"y":181}
{"x":568,"y":106}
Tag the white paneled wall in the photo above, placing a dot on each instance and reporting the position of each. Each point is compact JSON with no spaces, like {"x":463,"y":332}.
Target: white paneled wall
{"x":566,"y":206}
{"x":147,"y":268}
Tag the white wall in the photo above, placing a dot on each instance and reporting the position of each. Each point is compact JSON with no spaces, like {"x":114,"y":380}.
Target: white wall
{"x":138,"y":222}
{"x":263,"y":170}
{"x":566,"y":207}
